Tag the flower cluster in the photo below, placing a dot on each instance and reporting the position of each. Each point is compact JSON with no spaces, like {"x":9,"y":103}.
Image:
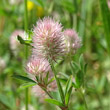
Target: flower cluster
{"x":72,"y":41}
{"x":48,"y":39}
{"x":49,"y":43}
{"x":37,"y":66}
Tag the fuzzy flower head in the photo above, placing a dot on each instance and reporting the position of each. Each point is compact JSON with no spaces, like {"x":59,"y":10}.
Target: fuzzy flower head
{"x":73,"y":42}
{"x":37,"y":66}
{"x":48,"y":40}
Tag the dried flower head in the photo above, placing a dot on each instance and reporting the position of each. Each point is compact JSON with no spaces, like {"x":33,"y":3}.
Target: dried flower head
{"x":48,"y":40}
{"x":73,"y":42}
{"x":37,"y":66}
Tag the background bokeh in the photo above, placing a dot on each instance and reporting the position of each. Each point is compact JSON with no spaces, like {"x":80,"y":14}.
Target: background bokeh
{"x":88,"y":18}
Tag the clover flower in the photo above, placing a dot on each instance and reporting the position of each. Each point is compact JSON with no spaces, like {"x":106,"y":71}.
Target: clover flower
{"x":37,"y":66}
{"x":48,"y":40}
{"x":73,"y":42}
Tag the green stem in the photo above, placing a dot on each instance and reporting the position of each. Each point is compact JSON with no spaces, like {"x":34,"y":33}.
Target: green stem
{"x":47,"y":93}
{"x":26,"y":50}
{"x":58,"y":83}
{"x":25,"y":16}
{"x":83,"y":96}
{"x":100,"y":100}
{"x":26,"y":100}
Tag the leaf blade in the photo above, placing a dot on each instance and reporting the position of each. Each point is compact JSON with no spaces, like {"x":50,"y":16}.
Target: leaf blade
{"x":23,"y":78}
{"x":55,"y":102}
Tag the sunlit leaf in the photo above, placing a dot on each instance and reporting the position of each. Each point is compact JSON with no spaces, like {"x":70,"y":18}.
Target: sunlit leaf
{"x":55,"y":102}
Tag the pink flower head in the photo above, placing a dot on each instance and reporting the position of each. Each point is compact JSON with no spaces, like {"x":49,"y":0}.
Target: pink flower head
{"x":72,"y":40}
{"x":48,"y":40}
{"x":37,"y":66}
{"x":108,"y":3}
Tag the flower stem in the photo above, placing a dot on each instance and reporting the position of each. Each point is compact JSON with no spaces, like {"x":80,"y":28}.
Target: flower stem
{"x":25,"y":16}
{"x":83,"y":97}
{"x":26,"y":49}
{"x":58,"y":83}
{"x":49,"y":94}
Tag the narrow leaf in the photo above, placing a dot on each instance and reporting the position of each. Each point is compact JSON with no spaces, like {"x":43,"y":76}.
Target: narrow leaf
{"x":67,"y":97}
{"x":69,"y":84}
{"x":79,"y":79}
{"x":55,"y":102}
{"x":51,"y":80}
{"x":81,"y":62}
{"x":106,"y":21}
{"x":24,"y":78}
{"x":26,"y":85}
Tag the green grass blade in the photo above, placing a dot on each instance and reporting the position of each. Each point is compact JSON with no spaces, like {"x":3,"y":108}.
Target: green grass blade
{"x":106,"y":21}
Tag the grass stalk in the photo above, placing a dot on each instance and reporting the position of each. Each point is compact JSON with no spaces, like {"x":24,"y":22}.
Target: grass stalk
{"x":58,"y":83}
{"x":26,"y":49}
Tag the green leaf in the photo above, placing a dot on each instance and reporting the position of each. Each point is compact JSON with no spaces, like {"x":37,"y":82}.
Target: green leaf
{"x":26,"y":42}
{"x":81,"y":62}
{"x":68,"y":5}
{"x":67,"y":97}
{"x":85,"y":68}
{"x":68,"y":84}
{"x":51,"y":80}
{"x":79,"y":79}
{"x":106,"y":21}
{"x":24,"y":78}
{"x":5,"y":100}
{"x":46,"y":78}
{"x":75,"y":67}
{"x":60,"y":89}
{"x":58,"y":82}
{"x":55,"y":102}
{"x":26,"y":85}
{"x":65,"y":80}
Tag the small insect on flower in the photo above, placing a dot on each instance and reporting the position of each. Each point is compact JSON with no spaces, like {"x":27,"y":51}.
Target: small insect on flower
{"x":48,"y":40}
{"x":37,"y":66}
{"x":72,"y":40}
{"x":14,"y":43}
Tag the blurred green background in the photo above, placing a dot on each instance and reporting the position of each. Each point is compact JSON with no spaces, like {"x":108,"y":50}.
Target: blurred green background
{"x":90,"y":18}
